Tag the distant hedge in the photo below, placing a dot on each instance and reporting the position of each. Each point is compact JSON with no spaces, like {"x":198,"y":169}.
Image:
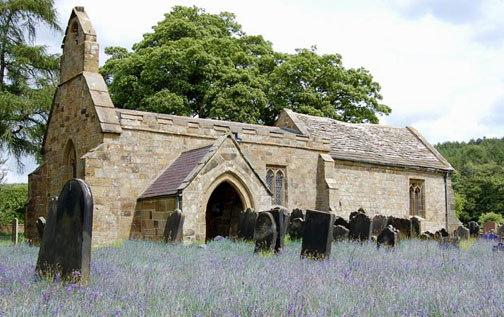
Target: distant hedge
{"x":12,"y":200}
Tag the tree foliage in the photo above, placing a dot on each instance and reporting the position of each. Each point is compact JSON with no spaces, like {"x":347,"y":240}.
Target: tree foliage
{"x":479,"y":177}
{"x":28,"y":75}
{"x":200,"y":64}
{"x":12,"y":200}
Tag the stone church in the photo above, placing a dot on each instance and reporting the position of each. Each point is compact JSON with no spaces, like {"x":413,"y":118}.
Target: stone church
{"x":141,"y":165}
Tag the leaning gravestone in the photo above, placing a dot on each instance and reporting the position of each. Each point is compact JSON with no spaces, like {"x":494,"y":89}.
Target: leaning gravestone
{"x":340,"y":233}
{"x":40,"y":224}
{"x":360,"y":227}
{"x":462,"y":232}
{"x":265,"y":233}
{"x":296,"y":224}
{"x":379,"y":223}
{"x":66,"y":243}
{"x":401,"y":224}
{"x":317,"y":235}
{"x":388,"y":237}
{"x":15,"y":229}
{"x":416,"y":226}
{"x":489,"y":226}
{"x":474,"y":228}
{"x":174,"y":227}
{"x":246,"y":224}
{"x":281,"y":217}
{"x":341,"y":222}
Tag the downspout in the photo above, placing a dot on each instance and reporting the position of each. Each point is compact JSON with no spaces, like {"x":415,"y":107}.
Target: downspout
{"x":179,"y":200}
{"x":446,"y":199}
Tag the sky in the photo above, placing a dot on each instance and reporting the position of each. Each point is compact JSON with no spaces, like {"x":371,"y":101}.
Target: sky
{"x":440,"y":63}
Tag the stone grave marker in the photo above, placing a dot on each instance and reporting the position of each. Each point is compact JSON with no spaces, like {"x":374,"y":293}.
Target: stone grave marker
{"x":317,"y":235}
{"x":489,"y":226}
{"x":426,"y":235}
{"x":500,"y":231}
{"x":462,"y":232}
{"x":265,"y":233}
{"x":281,"y":217}
{"x":15,"y":231}
{"x":174,"y":227}
{"x":66,"y":242}
{"x":416,"y":226}
{"x":360,"y":227}
{"x":388,"y":237}
{"x":340,"y":233}
{"x":474,"y":228}
{"x":379,"y":223}
{"x":441,"y":233}
{"x":401,"y":224}
{"x":40,"y":224}
{"x":246,"y":224}
{"x":341,"y":222}
{"x":296,"y":224}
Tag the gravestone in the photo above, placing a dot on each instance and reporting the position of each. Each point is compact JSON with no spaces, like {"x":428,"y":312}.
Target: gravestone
{"x":441,"y":233}
{"x":265,"y":233}
{"x":66,"y":242}
{"x":15,"y":229}
{"x":416,"y":226}
{"x":489,"y":226}
{"x":426,"y":235}
{"x":462,"y":232}
{"x":360,"y":227}
{"x":401,"y":224}
{"x":379,"y":223}
{"x":317,"y":235}
{"x":474,"y":228}
{"x":296,"y":224}
{"x":388,"y":237}
{"x":40,"y":224}
{"x":174,"y":227}
{"x":500,"y":231}
{"x":340,"y":233}
{"x":281,"y":217}
{"x":246,"y":224}
{"x":341,"y":222}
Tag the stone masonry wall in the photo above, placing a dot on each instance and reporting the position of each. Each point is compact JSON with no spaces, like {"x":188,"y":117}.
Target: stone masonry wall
{"x":150,"y":217}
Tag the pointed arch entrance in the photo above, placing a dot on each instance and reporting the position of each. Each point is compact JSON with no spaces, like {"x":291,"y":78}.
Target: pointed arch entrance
{"x":226,"y":198}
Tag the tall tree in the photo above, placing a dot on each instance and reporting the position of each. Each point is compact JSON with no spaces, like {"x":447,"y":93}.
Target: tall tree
{"x":200,"y":64}
{"x":28,"y":75}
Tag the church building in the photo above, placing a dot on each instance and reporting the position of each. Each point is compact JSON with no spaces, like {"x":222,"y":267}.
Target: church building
{"x":141,"y":166}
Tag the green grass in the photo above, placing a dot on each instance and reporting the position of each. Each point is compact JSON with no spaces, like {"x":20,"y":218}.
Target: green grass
{"x":6,"y":239}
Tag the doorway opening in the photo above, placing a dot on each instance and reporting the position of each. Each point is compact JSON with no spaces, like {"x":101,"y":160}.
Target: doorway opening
{"x":223,"y":212}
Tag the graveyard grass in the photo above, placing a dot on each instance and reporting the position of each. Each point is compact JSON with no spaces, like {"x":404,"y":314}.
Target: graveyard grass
{"x":226,"y":278}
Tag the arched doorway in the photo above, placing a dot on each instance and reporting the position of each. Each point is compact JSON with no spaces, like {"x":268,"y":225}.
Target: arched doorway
{"x":223,"y":211}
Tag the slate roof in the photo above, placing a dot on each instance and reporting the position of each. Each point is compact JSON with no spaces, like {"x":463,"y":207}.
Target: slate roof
{"x":375,"y":143}
{"x":168,"y":182}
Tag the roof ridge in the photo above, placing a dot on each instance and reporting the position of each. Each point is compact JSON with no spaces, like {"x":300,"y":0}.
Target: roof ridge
{"x":350,"y":123}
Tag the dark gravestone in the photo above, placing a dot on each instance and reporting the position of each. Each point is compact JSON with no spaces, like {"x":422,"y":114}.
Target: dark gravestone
{"x":66,"y":242}
{"x":388,"y":237}
{"x":265,"y":233}
{"x":379,"y":223}
{"x":246,"y":224}
{"x":462,"y":232}
{"x":474,"y":228}
{"x":341,"y":222}
{"x":416,"y":227}
{"x":360,"y":227}
{"x":174,"y":227}
{"x":401,"y":224}
{"x":442,"y":233}
{"x":317,"y":235}
{"x":40,"y":224}
{"x":426,"y":235}
{"x":296,"y":224}
{"x":352,"y":215}
{"x":340,"y":232}
{"x":281,"y":217}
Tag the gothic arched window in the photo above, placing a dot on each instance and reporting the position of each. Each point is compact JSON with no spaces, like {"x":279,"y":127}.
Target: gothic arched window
{"x":417,"y":198}
{"x":275,"y":180}
{"x":70,"y":161}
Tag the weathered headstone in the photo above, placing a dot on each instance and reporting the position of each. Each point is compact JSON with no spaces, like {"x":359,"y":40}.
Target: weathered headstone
{"x":360,"y":227}
{"x":379,"y":223}
{"x":15,"y":229}
{"x":426,"y":235}
{"x":401,"y":224}
{"x":340,"y":232}
{"x":246,"y":224}
{"x":265,"y":233}
{"x":341,"y":222}
{"x":489,"y":226}
{"x":388,"y":237}
{"x":462,"y":232}
{"x":500,"y":231}
{"x":174,"y":228}
{"x":296,"y":224}
{"x":281,"y":217}
{"x":352,"y":215}
{"x":474,"y":228}
{"x":317,"y":235}
{"x":416,"y":226}
{"x":441,"y":233}
{"x":66,"y":242}
{"x":40,"y":224}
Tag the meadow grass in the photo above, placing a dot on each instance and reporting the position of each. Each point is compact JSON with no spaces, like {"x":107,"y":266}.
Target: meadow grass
{"x":227,"y":278}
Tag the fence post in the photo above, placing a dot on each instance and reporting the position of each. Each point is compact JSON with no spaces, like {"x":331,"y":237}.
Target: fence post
{"x":15,"y":234}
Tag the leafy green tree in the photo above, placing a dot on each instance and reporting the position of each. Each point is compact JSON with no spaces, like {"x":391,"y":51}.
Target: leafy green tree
{"x":204,"y":65}
{"x":28,"y":75}
{"x":12,"y":200}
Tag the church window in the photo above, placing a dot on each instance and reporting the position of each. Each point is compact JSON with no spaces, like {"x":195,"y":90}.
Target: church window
{"x":275,"y":180}
{"x":417,"y":198}
{"x":70,"y":161}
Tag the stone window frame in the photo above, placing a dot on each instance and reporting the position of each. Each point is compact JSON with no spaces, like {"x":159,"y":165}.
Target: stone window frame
{"x":70,"y":161}
{"x":416,"y":193}
{"x":273,"y":173}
